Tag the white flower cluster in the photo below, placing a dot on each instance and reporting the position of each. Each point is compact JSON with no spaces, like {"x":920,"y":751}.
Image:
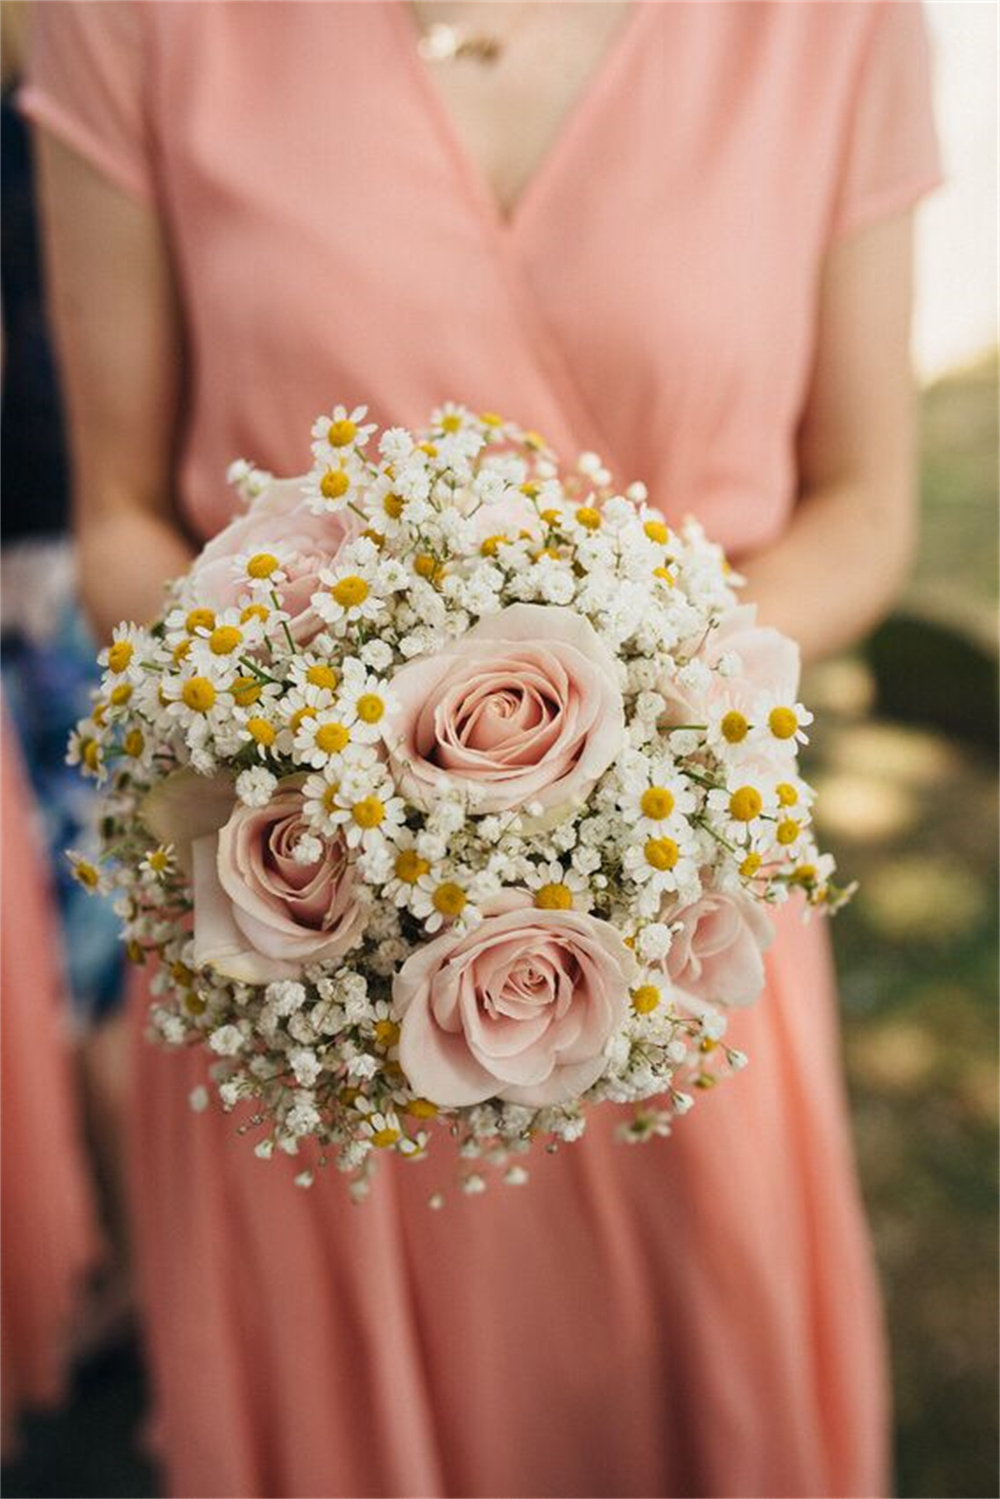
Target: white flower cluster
{"x":435,"y":690}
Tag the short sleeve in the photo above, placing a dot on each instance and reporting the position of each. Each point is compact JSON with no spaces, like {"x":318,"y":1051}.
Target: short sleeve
{"x":85,"y":84}
{"x":890,"y":156}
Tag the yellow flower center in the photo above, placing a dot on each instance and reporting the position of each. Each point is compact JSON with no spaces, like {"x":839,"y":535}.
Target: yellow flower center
{"x":490,"y":546}
{"x":90,"y":754}
{"x":341,"y":434}
{"x":745,"y":803}
{"x":661,"y":853}
{"x":199,"y":619}
{"x":370,"y":707}
{"x":750,"y":866}
{"x":804,"y":875}
{"x":375,"y":537}
{"x":428,"y":448}
{"x":734,"y":728}
{"x":87,"y":874}
{"x":120,"y":655}
{"x":787,"y":794}
{"x":331,"y":738}
{"x":254,"y":611}
{"x":547,"y":552}
{"x":409,"y":866}
{"x":99,"y":711}
{"x":121,"y":694}
{"x":322,"y":676}
{"x":657,"y":531}
{"x":783,"y":723}
{"x":334,"y":484}
{"x":534,"y":440}
{"x":550,"y":517}
{"x":386,"y":1033}
{"x":299,"y":716}
{"x":531,"y":489}
{"x":194,"y":1004}
{"x":426,"y":566}
{"x":589,"y":518}
{"x":368,"y":812}
{"x":451,"y":423}
{"x":383,"y":1138}
{"x":224,"y":640}
{"x":330,"y":796}
{"x":393,"y":505}
{"x":159,"y":860}
{"x":262,"y":565}
{"x":181,"y":973}
{"x":246,"y":691}
{"x":788,"y":831}
{"x":199,"y":694}
{"x":350,"y":592}
{"x":554,"y":897}
{"x":645,"y":999}
{"x":422,"y":1108}
{"x":134,"y":743}
{"x":657,"y":803}
{"x":181,"y":650}
{"x":449,"y":899}
{"x":490,"y":419}
{"x":665,"y":575}
{"x":261,"y":731}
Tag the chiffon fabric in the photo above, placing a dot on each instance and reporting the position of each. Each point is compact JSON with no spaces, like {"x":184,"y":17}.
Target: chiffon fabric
{"x":50,"y":1238}
{"x":696,"y":1316}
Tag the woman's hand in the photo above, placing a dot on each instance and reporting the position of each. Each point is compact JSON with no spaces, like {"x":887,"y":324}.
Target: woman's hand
{"x":117,"y":327}
{"x":842,"y":561}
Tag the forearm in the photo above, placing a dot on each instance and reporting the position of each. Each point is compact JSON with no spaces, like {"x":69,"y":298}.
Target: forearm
{"x":836,"y":571}
{"x":125,"y":558}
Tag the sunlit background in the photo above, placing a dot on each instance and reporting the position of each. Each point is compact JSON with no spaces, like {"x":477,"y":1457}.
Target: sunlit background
{"x":905,"y":762}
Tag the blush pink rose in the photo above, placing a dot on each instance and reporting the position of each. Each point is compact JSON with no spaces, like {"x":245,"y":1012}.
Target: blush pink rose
{"x":260,"y":915}
{"x":717,"y":954}
{"x":511,"y":517}
{"x":525,"y":707}
{"x":520,"y":1009}
{"x":277,"y":520}
{"x":769,"y":663}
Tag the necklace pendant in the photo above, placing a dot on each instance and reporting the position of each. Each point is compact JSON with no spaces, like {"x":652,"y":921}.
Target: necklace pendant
{"x":443,"y":43}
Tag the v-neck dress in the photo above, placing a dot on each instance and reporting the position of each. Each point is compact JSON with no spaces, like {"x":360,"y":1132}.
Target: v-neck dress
{"x":695,"y":1316}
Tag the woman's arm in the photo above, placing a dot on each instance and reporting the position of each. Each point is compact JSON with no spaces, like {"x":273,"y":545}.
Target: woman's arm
{"x":117,"y":330}
{"x":841,"y":562}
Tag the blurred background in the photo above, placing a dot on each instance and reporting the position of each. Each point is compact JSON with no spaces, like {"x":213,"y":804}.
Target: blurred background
{"x":905,"y":761}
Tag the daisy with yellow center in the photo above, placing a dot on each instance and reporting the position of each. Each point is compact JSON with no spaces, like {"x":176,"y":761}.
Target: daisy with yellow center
{"x":321,"y":737}
{"x":367,"y":704}
{"x":86,"y":872}
{"x":123,"y":657}
{"x":660,"y":803}
{"x":442,"y":897}
{"x":559,"y":887}
{"x":347,"y":598}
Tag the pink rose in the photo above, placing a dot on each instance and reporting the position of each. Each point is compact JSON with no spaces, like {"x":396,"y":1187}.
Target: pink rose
{"x":769,"y":663}
{"x":305,"y":542}
{"x":259,"y":914}
{"x":521,"y":1008}
{"x":716,"y":957}
{"x":510,"y":518}
{"x":523,"y":708}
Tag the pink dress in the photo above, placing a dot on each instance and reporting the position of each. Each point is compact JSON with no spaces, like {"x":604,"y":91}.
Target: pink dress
{"x":698,"y":1316}
{"x":50,"y":1236}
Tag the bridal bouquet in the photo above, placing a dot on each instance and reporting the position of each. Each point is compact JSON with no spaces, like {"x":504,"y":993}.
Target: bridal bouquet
{"x":450,"y":787}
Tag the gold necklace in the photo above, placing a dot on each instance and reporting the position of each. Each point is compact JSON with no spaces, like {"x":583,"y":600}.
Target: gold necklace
{"x":442,"y":41}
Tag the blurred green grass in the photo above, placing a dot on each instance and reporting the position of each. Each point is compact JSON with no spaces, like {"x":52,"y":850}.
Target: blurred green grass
{"x":910,"y":809}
